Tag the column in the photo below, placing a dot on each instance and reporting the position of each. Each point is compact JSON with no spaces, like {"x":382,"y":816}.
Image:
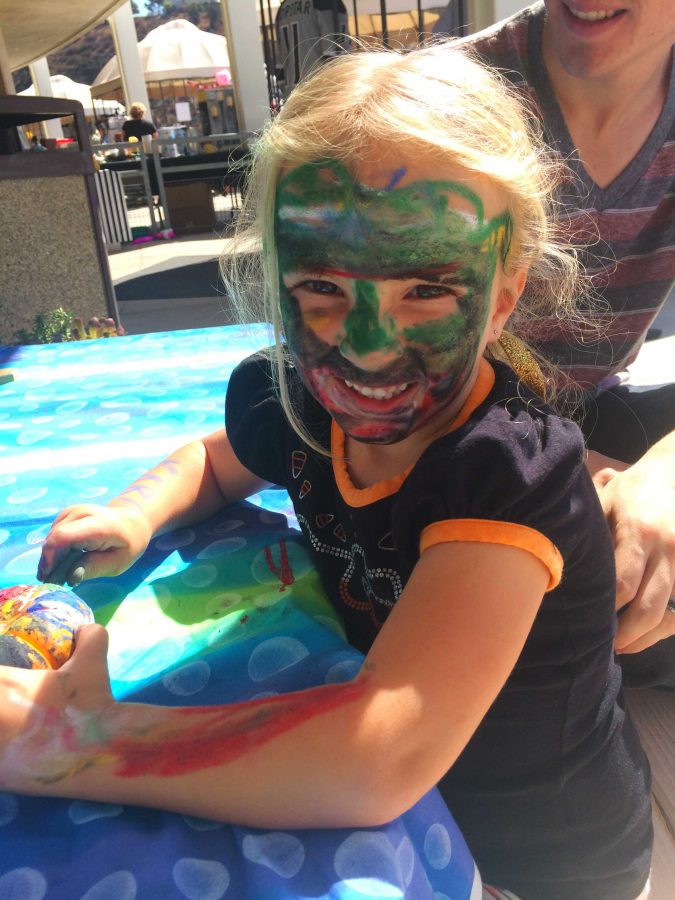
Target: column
{"x":6,"y":80}
{"x":244,"y":45}
{"x":126,"y":48}
{"x":39,"y":73}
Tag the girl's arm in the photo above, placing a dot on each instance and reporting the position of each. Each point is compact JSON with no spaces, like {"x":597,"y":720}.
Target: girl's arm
{"x":193,"y":483}
{"x":353,"y":754}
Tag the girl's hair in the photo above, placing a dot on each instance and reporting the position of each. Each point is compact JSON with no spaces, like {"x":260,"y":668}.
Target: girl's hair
{"x":137,"y":110}
{"x":436,"y":102}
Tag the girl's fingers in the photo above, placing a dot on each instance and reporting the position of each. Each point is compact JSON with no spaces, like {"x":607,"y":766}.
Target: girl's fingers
{"x":63,"y":549}
{"x":91,"y":646}
{"x":62,"y":571}
{"x":100,"y":564}
{"x":87,"y":668}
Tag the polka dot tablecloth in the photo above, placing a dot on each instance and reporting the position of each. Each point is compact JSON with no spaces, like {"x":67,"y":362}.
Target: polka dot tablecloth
{"x":208,"y":615}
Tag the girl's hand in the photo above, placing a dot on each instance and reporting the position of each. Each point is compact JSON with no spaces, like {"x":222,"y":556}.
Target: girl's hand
{"x":88,"y":541}
{"x":50,"y":720}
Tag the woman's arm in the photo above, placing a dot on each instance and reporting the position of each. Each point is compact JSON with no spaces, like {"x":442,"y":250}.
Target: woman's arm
{"x":359,"y":753}
{"x":639,"y":503}
{"x":193,"y":483}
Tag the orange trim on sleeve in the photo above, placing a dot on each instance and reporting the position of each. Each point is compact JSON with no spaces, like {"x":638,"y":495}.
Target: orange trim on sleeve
{"x":488,"y":531}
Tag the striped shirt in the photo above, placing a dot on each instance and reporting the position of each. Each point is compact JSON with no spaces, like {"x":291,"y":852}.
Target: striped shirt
{"x":627,"y":229}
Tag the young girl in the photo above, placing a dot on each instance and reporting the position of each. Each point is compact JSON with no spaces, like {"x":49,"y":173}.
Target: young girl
{"x":398,"y":202}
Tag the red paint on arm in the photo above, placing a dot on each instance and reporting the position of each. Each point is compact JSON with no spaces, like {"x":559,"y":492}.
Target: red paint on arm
{"x":222,"y":734}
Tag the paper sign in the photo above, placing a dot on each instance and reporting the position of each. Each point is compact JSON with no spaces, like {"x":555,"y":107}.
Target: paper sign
{"x":183,"y":112}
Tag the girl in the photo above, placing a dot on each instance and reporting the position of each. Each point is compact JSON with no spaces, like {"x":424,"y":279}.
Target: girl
{"x":399,"y":202}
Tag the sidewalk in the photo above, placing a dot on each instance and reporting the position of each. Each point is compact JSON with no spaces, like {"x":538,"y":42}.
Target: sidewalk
{"x":158,"y":313}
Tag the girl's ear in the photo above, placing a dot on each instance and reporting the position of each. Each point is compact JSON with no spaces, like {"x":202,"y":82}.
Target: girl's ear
{"x":519,"y":282}
{"x":505,"y":304}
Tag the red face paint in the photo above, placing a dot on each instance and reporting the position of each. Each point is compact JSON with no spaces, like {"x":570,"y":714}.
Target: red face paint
{"x":222,"y":734}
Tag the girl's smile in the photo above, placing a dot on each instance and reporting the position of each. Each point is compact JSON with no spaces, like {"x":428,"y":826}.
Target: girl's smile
{"x":386,"y":291}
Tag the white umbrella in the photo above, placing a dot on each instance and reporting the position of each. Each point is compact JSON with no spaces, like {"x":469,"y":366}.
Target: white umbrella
{"x":177,"y":49}
{"x":67,"y":89}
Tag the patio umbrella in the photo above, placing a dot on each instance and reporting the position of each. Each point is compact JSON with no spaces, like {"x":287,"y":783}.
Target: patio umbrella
{"x":67,"y":89}
{"x":35,"y":28}
{"x":175,"y":50}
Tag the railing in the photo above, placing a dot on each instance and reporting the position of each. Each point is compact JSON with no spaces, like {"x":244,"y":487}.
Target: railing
{"x":164,"y":178}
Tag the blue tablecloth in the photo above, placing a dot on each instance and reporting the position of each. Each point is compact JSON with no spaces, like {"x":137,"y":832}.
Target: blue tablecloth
{"x":228,"y":610}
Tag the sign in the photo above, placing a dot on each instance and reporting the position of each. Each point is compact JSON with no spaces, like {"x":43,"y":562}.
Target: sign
{"x":183,"y":112}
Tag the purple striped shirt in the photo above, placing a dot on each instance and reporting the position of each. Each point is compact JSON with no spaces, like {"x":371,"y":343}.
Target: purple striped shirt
{"x":628,"y":228}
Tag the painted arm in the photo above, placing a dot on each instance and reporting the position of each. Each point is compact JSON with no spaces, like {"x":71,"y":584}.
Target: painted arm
{"x":639,"y":503}
{"x":193,"y":483}
{"x":303,"y":759}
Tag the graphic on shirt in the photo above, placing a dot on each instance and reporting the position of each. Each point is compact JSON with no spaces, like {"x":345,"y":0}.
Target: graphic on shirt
{"x":366,"y":582}
{"x":385,"y":293}
{"x":361,"y":587}
{"x":387,"y":542}
{"x":298,"y":461}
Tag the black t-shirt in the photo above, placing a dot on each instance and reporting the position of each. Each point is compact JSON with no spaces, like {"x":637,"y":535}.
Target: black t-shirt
{"x":552,"y":791}
{"x":137,"y":128}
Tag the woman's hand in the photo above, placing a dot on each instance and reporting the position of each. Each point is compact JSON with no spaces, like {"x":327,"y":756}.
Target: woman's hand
{"x":88,"y":541}
{"x":50,"y":721}
{"x":639,"y":504}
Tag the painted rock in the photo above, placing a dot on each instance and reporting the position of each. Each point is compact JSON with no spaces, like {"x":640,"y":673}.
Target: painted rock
{"x":38,"y":624}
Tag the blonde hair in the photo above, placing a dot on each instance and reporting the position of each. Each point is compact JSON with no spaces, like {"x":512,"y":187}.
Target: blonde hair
{"x":437,"y":102}
{"x":137,"y":110}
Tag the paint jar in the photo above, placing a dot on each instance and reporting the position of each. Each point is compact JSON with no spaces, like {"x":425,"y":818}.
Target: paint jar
{"x":38,"y":625}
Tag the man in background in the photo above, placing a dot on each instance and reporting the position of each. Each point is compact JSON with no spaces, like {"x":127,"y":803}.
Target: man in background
{"x":137,"y":126}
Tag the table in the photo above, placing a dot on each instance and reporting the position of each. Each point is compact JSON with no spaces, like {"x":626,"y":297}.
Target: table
{"x":208,"y":615}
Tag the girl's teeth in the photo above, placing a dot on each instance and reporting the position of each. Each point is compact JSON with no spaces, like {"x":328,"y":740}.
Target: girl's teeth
{"x":593,"y":16}
{"x":377,"y":393}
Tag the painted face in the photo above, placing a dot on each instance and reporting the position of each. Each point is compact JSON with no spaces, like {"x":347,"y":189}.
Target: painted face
{"x":592,"y":38}
{"x":385,"y":292}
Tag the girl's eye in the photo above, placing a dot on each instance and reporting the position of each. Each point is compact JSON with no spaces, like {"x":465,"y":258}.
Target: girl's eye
{"x":318,"y":286}
{"x":431,"y":291}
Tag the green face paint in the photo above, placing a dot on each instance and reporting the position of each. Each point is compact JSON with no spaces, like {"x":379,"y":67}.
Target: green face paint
{"x":383,"y":367}
{"x":364,"y":330}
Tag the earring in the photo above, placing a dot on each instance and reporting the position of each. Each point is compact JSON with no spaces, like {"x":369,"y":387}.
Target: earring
{"x":495,"y":331}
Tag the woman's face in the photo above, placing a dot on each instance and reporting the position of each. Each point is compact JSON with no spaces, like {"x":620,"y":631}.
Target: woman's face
{"x":632,"y":33}
{"x":387,"y":278}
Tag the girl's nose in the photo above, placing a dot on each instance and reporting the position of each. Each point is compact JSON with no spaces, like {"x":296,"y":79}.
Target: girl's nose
{"x":370,"y":341}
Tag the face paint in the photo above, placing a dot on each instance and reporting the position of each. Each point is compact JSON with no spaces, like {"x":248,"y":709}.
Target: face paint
{"x":363,"y":328}
{"x":59,"y":744}
{"x":385,"y":293}
{"x":215,"y":739}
